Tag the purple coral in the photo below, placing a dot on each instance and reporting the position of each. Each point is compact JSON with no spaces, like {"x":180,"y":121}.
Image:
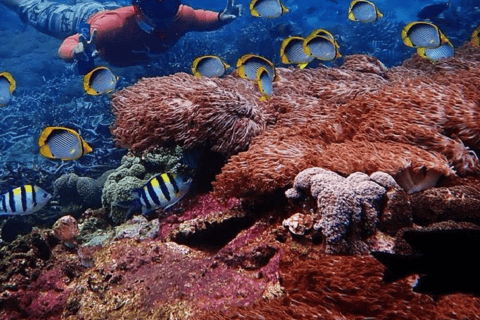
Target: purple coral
{"x":347,"y":207}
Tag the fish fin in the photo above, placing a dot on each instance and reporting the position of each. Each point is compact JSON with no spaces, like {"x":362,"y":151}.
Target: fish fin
{"x":86,"y":147}
{"x":302,"y":65}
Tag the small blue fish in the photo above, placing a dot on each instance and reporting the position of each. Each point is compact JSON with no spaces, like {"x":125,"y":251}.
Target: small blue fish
{"x":265,"y":83}
{"x":209,"y":66}
{"x":422,"y":34}
{"x":7,"y":86}
{"x":267,"y":8}
{"x":23,"y":200}
{"x":444,"y":51}
{"x":99,"y":81}
{"x":363,"y":11}
{"x":291,"y":52}
{"x":62,"y":143}
{"x":162,"y":191}
{"x":321,"y":48}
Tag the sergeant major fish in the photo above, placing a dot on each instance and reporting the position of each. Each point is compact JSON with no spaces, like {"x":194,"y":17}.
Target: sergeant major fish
{"x":23,"y":200}
{"x":162,"y":191}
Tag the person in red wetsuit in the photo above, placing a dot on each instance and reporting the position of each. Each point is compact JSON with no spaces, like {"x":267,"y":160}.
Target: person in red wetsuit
{"x":122,"y":36}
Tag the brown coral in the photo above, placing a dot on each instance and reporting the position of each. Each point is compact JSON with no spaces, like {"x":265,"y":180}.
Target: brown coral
{"x":359,"y":117}
{"x":416,"y":119}
{"x":223,"y":114}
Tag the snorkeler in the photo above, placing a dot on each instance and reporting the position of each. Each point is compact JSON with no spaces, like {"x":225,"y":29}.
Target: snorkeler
{"x":122,"y":36}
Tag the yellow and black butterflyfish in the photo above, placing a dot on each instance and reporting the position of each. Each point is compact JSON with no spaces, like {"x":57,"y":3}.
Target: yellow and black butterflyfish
{"x":475,"y":38}
{"x":209,"y":66}
{"x":423,"y":34}
{"x":99,"y":81}
{"x":444,"y":51}
{"x":291,"y":52}
{"x":62,"y":143}
{"x":265,"y":83}
{"x":7,"y":86}
{"x":249,"y":64}
{"x":363,"y":11}
{"x":321,"y":47}
{"x":267,"y":8}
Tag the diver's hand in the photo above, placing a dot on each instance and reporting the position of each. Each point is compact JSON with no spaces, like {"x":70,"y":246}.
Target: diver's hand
{"x":231,"y":12}
{"x":85,"y":49}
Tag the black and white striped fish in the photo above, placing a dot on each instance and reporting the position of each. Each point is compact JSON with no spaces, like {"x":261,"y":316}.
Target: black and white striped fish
{"x":162,"y":191}
{"x":23,"y":200}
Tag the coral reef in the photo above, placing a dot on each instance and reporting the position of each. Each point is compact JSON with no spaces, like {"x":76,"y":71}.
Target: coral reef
{"x":415,"y":123}
{"x":139,"y":228}
{"x":240,"y":262}
{"x":361,"y":118}
{"x":346,"y":287}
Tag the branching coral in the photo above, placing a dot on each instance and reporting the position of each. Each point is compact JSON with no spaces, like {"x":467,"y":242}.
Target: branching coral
{"x":347,"y":207}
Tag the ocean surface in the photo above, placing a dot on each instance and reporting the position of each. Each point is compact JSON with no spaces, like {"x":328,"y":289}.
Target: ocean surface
{"x":49,"y":91}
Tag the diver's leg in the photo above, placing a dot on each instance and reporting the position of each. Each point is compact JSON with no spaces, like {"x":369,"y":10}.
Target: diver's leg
{"x":11,"y":4}
{"x":57,"y":20}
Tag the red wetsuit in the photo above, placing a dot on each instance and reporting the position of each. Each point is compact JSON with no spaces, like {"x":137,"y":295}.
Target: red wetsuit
{"x":120,"y":41}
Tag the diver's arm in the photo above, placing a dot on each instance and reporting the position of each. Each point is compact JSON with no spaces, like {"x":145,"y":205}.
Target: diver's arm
{"x":199,"y":20}
{"x":66,"y":48}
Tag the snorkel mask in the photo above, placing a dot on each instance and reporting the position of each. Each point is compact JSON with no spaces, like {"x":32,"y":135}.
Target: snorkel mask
{"x":151,"y":14}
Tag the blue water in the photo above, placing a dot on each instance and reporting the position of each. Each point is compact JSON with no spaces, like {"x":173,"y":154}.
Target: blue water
{"x":49,"y":91}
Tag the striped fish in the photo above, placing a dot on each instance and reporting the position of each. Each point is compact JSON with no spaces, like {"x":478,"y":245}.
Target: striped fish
{"x":163,"y":191}
{"x":23,"y":200}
